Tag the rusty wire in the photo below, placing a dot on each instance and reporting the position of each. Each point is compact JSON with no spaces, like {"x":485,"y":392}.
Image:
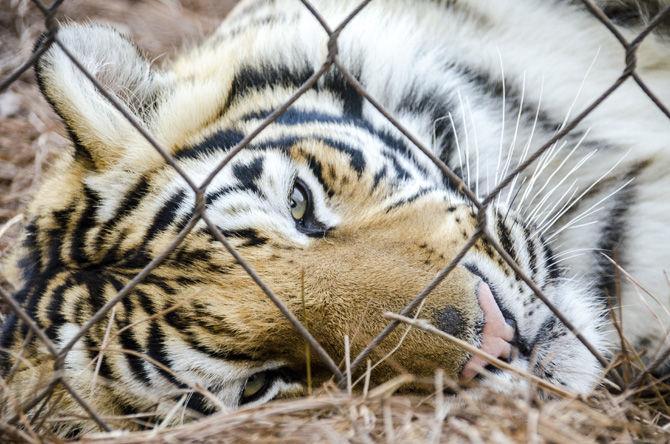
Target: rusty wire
{"x":199,"y":214}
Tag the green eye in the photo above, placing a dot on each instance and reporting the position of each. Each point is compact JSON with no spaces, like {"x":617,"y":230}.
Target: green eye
{"x":298,"y":202}
{"x":255,"y":386}
{"x":301,"y":205}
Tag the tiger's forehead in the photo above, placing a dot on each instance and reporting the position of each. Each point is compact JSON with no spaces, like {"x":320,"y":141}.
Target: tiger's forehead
{"x":330,"y":114}
{"x":240,"y":76}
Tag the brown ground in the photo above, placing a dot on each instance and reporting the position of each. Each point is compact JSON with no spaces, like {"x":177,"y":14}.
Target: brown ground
{"x":31,"y":135}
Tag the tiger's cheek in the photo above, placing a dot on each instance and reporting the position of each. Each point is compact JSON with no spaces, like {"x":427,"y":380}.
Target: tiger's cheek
{"x":342,"y":286}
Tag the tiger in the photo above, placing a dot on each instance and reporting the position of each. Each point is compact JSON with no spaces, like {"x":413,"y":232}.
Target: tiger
{"x":336,"y":208}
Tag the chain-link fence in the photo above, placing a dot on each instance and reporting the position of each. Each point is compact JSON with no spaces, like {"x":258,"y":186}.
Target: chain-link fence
{"x":36,"y":405}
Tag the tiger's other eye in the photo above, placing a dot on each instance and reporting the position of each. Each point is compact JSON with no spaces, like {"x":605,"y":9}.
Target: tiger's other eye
{"x":254,"y":387}
{"x":298,"y":202}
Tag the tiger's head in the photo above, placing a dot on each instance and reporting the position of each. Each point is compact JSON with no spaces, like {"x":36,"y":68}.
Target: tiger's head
{"x":338,"y":214}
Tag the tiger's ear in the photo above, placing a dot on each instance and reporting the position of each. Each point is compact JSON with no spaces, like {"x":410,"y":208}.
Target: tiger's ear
{"x":98,"y":130}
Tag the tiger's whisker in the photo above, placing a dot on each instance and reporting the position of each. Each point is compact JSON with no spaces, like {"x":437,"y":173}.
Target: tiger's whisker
{"x":585,"y":224}
{"x":467,"y":139}
{"x":551,"y":211}
{"x":542,"y":163}
{"x":574,"y":250}
{"x":458,"y":145}
{"x":476,"y":143}
{"x":587,"y":212}
{"x":502,"y":124}
{"x":586,"y":191}
{"x":579,"y":90}
{"x":512,"y":146}
{"x":543,"y":166}
{"x":540,"y":205}
{"x":530,"y":139}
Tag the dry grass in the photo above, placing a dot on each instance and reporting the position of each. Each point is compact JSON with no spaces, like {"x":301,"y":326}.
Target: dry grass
{"x":30,"y":136}
{"x":475,"y":417}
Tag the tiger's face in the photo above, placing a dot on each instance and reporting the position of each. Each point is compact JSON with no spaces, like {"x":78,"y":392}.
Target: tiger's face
{"x":337,"y":216}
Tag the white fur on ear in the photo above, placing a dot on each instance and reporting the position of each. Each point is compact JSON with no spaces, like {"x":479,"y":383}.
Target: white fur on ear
{"x":99,"y":131}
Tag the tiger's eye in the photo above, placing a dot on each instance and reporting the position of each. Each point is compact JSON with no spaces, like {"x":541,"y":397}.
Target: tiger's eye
{"x":254,"y":385}
{"x":298,"y":202}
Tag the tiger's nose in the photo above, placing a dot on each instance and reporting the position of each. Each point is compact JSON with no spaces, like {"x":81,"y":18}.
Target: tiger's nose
{"x":497,"y":334}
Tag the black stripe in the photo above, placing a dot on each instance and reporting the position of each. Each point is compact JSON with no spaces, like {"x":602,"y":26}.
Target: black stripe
{"x":210,"y":198}
{"x":39,"y":284}
{"x":8,"y":330}
{"x":220,"y":192}
{"x":95,"y":288}
{"x":181,"y":322}
{"x":209,"y":321}
{"x":419,"y":101}
{"x":445,"y":138}
{"x":611,"y":240}
{"x":95,"y":283}
{"x":161,"y":283}
{"x":252,"y":237}
{"x":93,"y":346}
{"x":295,"y":116}
{"x":357,"y":161}
{"x":352,"y":102}
{"x":248,"y":174}
{"x":188,"y":258}
{"x":401,"y":173}
{"x":129,"y":203}
{"x":256,"y":78}
{"x":127,"y":337}
{"x":145,"y":301}
{"x":219,"y":141}
{"x":546,"y":332}
{"x":487,"y":85}
{"x":54,"y":309}
{"x":29,"y":297}
{"x":31,"y":263}
{"x":156,"y":350}
{"x":224,"y":355}
{"x":379,"y":175}
{"x":553,"y":270}
{"x":114,"y":253}
{"x":505,"y":238}
{"x":317,"y":169}
{"x":200,"y":404}
{"x":54,"y":237}
{"x":85,"y":223}
{"x":164,"y":217}
{"x":532,"y":256}
{"x":422,"y":192}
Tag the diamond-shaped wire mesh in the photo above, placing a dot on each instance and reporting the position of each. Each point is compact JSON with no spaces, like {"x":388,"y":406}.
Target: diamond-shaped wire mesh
{"x":37,"y":403}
